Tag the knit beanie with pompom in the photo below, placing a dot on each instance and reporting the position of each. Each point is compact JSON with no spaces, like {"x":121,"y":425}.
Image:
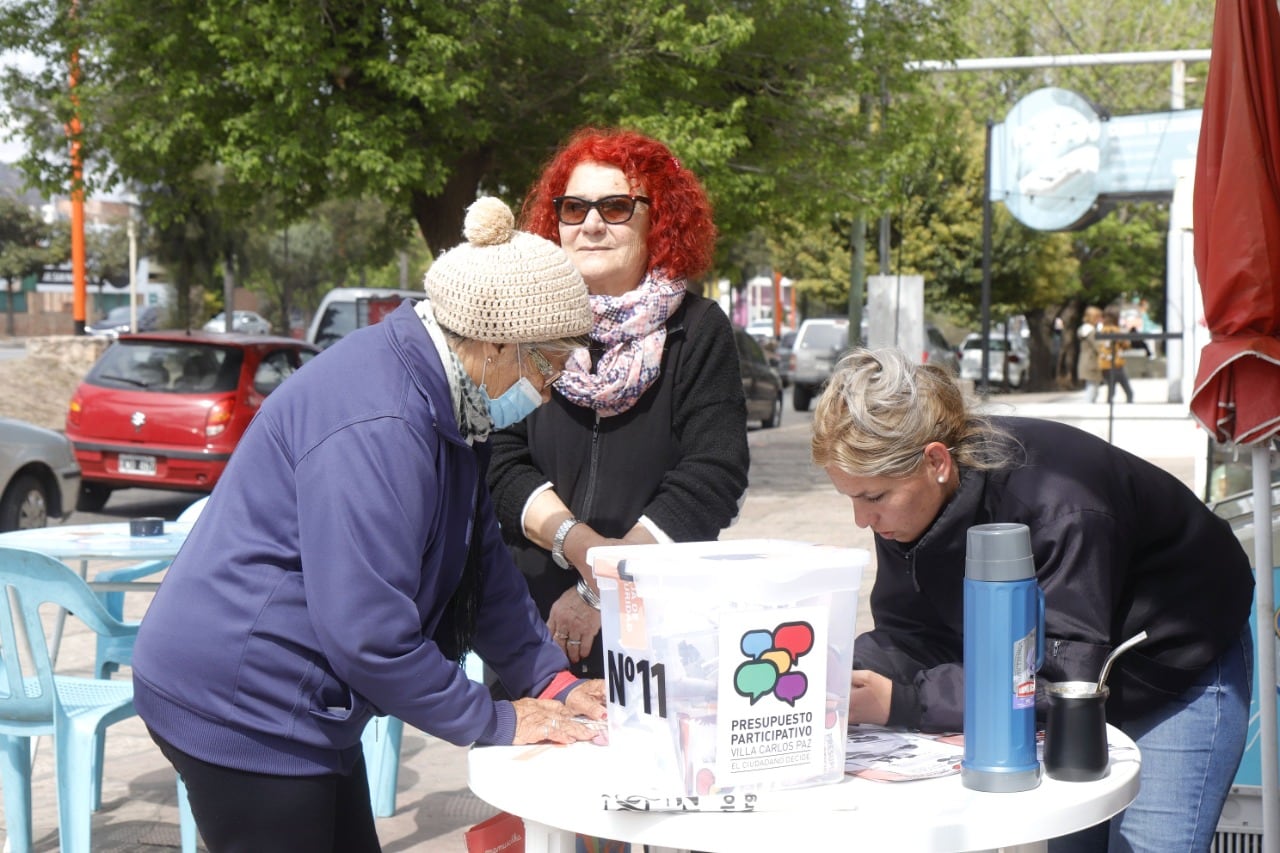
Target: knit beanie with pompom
{"x":506,"y":286}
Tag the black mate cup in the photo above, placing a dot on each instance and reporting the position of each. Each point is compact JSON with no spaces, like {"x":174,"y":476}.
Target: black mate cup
{"x":1075,"y":737}
{"x":146,"y":526}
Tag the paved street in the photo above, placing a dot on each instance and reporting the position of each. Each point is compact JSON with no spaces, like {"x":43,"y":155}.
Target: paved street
{"x":788,"y":499}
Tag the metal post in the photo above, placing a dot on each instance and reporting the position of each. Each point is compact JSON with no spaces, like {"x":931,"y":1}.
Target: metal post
{"x":133,"y":273}
{"x":983,"y":385}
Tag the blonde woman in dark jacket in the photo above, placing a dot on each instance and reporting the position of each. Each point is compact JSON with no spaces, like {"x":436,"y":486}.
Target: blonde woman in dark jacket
{"x":1120,"y":546}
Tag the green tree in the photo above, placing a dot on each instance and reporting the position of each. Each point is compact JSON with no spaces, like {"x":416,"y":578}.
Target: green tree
{"x":27,"y":247}
{"x":1043,"y":276}
{"x":421,"y":104}
{"x":293,"y":264}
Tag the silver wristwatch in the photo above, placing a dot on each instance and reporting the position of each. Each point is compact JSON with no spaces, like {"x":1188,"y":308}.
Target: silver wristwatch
{"x":557,"y":542}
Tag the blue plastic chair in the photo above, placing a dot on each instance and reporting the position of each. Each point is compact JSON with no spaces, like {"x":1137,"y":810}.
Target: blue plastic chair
{"x":381,"y":743}
{"x":114,"y":652}
{"x":34,"y":701}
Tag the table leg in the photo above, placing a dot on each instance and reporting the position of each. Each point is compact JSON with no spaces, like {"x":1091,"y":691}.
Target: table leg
{"x":540,"y":838}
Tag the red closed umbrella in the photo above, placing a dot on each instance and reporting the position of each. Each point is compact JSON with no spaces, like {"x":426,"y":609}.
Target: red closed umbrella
{"x":1236,"y":219}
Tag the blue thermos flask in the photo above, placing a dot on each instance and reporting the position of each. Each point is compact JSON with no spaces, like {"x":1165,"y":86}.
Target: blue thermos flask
{"x":1003,"y":648}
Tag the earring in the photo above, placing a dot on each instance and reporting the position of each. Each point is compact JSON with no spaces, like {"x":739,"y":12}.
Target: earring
{"x":942,"y":479}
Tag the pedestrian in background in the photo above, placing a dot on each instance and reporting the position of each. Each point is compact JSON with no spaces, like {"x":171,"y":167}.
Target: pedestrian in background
{"x":1088,"y":363}
{"x":1111,"y":356}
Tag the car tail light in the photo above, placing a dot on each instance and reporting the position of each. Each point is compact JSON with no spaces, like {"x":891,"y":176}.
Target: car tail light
{"x":215,"y":423}
{"x":74,"y":410}
{"x":1014,"y":358}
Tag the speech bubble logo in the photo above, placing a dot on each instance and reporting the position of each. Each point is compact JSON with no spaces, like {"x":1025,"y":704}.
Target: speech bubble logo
{"x":756,"y":642}
{"x":755,"y":679}
{"x":781,"y":658}
{"x":795,"y":637}
{"x":791,"y":687}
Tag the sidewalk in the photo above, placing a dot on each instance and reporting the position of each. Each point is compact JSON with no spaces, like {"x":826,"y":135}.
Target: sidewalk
{"x":788,"y":499}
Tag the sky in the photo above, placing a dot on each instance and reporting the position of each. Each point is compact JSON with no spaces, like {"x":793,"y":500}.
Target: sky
{"x":11,"y":151}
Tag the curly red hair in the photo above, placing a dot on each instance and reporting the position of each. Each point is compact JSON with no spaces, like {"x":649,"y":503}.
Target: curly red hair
{"x":682,"y":235}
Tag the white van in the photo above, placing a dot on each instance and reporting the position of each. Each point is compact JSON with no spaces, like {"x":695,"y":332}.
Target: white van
{"x":345,"y":309}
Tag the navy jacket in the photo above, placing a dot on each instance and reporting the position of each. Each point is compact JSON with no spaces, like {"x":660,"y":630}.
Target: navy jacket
{"x":307,"y":595}
{"x":1120,"y":546}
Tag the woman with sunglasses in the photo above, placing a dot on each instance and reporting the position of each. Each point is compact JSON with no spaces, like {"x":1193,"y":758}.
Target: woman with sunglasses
{"x":645,"y":439}
{"x":349,"y":558}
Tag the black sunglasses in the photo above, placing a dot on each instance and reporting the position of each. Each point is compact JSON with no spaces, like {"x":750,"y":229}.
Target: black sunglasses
{"x":614,"y":209}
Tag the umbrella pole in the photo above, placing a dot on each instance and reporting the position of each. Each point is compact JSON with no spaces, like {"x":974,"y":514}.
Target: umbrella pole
{"x":1266,"y":646}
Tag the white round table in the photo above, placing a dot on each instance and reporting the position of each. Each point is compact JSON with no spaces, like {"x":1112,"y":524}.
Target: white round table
{"x":559,"y":791}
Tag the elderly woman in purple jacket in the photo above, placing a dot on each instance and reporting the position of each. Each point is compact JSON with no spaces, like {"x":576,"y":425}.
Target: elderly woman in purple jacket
{"x":349,"y":557}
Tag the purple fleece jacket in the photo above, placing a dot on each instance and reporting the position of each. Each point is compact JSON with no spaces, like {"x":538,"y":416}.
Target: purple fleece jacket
{"x":307,"y":596}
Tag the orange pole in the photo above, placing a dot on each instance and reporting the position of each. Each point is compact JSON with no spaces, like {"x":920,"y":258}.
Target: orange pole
{"x":77,"y":198}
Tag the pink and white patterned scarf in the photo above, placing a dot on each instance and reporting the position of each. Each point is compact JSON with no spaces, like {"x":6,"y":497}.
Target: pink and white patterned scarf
{"x":634,"y":328}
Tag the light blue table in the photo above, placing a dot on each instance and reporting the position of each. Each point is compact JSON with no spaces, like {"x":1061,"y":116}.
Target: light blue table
{"x":79,"y":544}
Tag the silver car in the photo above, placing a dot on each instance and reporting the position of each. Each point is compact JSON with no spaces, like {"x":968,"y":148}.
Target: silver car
{"x":244,"y":322}
{"x":1008,"y":361}
{"x":118,"y":321}
{"x":39,"y":473}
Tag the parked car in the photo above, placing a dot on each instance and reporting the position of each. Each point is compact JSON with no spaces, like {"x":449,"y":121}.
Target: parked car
{"x":818,"y":346}
{"x":760,"y":382}
{"x":937,"y":350}
{"x":345,"y":309}
{"x":117,"y":321}
{"x":39,"y":475}
{"x":164,"y":410}
{"x":786,"y":365}
{"x":247,"y":322}
{"x":1002,"y":351}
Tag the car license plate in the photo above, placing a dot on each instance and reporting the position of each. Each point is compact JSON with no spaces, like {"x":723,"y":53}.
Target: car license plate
{"x":133,"y":463}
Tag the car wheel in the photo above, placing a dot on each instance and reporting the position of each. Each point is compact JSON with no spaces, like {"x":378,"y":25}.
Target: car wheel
{"x":93,"y":497}
{"x":800,"y":397}
{"x":775,"y":416}
{"x":24,"y":505}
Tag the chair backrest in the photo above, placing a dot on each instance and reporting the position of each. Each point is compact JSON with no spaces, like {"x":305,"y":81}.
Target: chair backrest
{"x":28,"y":580}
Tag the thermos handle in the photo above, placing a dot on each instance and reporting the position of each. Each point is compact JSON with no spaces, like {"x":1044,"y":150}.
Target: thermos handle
{"x":1040,"y":643}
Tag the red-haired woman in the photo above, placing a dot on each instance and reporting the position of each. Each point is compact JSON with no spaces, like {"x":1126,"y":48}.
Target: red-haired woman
{"x":645,"y":437}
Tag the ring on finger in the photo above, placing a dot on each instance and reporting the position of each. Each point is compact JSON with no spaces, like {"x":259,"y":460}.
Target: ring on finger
{"x":562,"y":636}
{"x":574,"y":642}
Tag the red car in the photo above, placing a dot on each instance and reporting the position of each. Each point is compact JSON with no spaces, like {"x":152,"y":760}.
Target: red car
{"x":164,"y":410}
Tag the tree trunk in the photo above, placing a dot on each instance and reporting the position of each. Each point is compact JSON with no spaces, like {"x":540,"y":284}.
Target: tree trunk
{"x":440,"y":217}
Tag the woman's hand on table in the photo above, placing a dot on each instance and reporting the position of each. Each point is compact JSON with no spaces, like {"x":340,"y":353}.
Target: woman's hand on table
{"x":869,"y":697}
{"x":541,"y":720}
{"x":587,"y":699}
{"x":574,"y":624}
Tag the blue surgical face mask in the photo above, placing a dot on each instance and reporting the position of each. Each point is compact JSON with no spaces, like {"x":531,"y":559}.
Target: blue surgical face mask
{"x":515,"y":404}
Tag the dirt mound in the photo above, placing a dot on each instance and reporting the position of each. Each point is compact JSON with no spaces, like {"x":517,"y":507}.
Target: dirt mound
{"x":37,"y":390}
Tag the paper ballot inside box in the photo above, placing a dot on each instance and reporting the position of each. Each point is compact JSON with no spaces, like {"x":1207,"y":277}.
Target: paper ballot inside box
{"x":727,"y":663}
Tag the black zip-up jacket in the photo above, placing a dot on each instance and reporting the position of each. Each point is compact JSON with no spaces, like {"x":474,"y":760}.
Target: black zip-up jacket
{"x":678,"y":457}
{"x":1120,"y":546}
